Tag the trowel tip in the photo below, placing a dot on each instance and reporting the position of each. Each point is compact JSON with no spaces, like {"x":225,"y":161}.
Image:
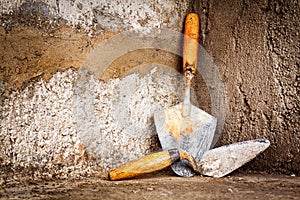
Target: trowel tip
{"x":263,"y":141}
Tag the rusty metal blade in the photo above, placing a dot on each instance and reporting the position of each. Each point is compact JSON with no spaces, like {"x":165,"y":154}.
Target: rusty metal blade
{"x":193,"y":134}
{"x":223,"y":160}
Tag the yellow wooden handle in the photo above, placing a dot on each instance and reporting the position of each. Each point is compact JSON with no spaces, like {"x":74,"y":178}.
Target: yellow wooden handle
{"x":150,"y":163}
{"x":190,"y":43}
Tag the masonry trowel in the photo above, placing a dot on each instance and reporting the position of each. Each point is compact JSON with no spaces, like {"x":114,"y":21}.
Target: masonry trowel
{"x":185,"y":126}
{"x":216,"y":162}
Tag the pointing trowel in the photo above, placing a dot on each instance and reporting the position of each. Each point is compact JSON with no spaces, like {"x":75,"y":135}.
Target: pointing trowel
{"x":216,"y":162}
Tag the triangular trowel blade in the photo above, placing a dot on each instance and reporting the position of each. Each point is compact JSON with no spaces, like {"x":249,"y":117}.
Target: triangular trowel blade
{"x":223,"y":160}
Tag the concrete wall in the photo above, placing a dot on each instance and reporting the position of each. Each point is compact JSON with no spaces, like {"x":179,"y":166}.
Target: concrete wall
{"x":104,"y":15}
{"x":61,"y":122}
{"x":254,"y":45}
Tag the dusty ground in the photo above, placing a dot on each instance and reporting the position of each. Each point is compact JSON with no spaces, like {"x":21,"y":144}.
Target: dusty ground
{"x":158,"y":186}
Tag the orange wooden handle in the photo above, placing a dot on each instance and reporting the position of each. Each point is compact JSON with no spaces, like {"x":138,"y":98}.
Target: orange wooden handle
{"x":190,"y":43}
{"x":150,"y":163}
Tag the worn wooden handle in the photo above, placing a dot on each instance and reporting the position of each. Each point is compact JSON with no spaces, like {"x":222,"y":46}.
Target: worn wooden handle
{"x":190,"y":43}
{"x":150,"y":163}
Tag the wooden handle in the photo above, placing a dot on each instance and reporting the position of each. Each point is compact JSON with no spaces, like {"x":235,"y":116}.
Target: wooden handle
{"x":190,"y":43}
{"x":150,"y":163}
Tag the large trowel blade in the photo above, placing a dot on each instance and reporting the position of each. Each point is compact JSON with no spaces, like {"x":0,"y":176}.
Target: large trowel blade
{"x":193,"y":134}
{"x":223,"y":160}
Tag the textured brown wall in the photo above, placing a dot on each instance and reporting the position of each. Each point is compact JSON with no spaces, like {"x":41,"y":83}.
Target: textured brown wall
{"x":256,"y":46}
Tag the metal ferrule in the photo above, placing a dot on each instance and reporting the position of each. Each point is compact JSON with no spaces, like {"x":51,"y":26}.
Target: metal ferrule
{"x":174,"y":155}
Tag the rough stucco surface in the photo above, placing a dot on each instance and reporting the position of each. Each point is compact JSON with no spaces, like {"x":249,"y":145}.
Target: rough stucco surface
{"x":256,"y":47}
{"x":39,"y":130}
{"x":115,"y":118}
{"x":98,"y":15}
{"x":58,"y":122}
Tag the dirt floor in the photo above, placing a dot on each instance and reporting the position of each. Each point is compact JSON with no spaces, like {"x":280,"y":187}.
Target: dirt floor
{"x":159,"y":186}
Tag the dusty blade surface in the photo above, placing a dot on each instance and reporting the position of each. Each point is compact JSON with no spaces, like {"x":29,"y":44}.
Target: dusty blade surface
{"x":193,"y":134}
{"x":221,"y":161}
